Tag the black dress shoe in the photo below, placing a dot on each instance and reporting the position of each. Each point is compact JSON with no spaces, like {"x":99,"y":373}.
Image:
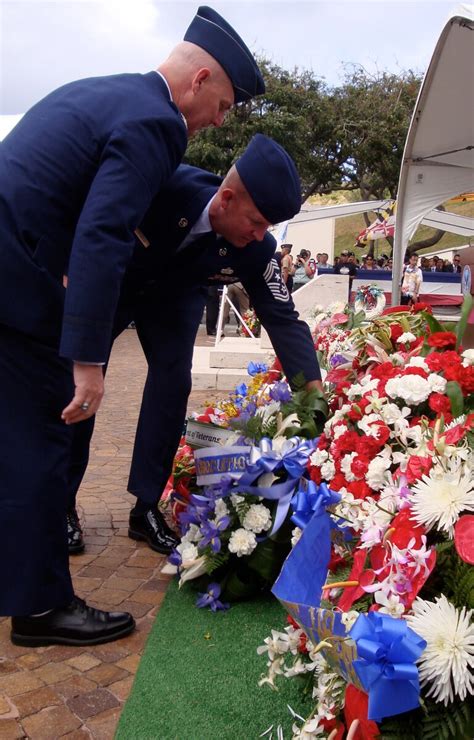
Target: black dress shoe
{"x":75,"y":538}
{"x":76,"y":624}
{"x":152,"y":528}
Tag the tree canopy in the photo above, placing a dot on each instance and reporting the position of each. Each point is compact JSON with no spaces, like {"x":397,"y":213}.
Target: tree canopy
{"x":348,"y":137}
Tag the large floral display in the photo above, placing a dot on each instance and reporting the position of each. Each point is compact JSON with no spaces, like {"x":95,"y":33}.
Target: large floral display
{"x":373,"y":517}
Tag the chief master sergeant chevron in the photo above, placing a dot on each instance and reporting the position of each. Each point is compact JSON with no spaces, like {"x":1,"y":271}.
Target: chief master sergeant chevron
{"x":77,"y":174}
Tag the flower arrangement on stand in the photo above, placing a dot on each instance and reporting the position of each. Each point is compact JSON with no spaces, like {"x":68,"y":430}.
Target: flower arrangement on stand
{"x":252,"y":322}
{"x":388,"y":639}
{"x":233,"y":506}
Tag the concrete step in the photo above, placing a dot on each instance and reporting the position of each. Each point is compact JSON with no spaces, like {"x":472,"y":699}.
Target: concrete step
{"x":237,"y":352}
{"x":206,"y":377}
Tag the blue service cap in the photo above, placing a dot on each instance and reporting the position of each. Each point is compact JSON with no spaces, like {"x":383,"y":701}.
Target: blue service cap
{"x":211,"y":32}
{"x":271,"y":179}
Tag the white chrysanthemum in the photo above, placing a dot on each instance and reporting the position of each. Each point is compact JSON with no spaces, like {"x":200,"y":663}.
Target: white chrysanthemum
{"x":257,"y":519}
{"x":437,"y":383}
{"x":328,"y":470}
{"x":439,"y":498}
{"x":411,"y":388}
{"x":407,"y":336}
{"x":447,"y":663}
{"x":242,"y":542}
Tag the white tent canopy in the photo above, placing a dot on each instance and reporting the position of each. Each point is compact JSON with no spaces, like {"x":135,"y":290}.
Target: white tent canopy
{"x":438,"y":161}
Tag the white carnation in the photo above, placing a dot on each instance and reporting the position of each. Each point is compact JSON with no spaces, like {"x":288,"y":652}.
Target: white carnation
{"x":236,"y":499}
{"x":193,"y":534}
{"x":468,"y":356}
{"x":411,"y":388}
{"x":257,"y":519}
{"x":346,"y":463}
{"x":296,"y":535}
{"x":328,"y":470}
{"x":221,"y":509}
{"x":188,"y":551}
{"x":378,"y":472}
{"x":391,"y":414}
{"x":242,"y":542}
{"x":406,"y":337}
{"x":437,"y":383}
{"x":319,"y":457}
{"x":418,"y":362}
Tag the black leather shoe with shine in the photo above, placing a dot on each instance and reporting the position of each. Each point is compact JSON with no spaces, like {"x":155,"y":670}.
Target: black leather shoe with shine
{"x":152,"y":528}
{"x":76,"y":624}
{"x":75,"y":538}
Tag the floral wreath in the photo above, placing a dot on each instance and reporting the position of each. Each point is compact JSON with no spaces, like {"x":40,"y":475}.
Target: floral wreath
{"x":371,"y":300}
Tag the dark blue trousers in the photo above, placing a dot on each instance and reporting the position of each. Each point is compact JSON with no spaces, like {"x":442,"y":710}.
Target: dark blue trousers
{"x":35,"y":445}
{"x":167,"y":321}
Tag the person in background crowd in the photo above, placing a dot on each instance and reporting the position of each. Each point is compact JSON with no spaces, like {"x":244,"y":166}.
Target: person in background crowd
{"x":286,"y":266}
{"x":457,"y":267}
{"x":412,"y":281}
{"x":425,"y":264}
{"x":230,"y":244}
{"x":323,"y":261}
{"x":439,"y":265}
{"x":388,"y":265}
{"x":447,"y":266}
{"x":77,"y":175}
{"x":370,"y":263}
{"x":304,"y":269}
{"x":344,"y":267}
{"x":432,"y":264}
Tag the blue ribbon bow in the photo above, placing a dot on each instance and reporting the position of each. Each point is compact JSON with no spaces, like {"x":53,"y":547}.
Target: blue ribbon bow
{"x":387,"y":650}
{"x":311,"y":500}
{"x":293,"y":456}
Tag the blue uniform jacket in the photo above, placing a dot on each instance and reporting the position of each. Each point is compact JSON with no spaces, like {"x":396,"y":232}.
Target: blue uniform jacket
{"x":211,"y":260}
{"x":77,"y":175}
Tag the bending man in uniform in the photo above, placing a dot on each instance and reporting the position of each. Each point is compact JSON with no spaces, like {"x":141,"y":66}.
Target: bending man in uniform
{"x":183,"y":223}
{"x":77,"y":175}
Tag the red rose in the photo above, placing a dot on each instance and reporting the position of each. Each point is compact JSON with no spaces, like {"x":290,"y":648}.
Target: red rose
{"x":417,"y":467}
{"x":442,"y":339}
{"x":439,"y":403}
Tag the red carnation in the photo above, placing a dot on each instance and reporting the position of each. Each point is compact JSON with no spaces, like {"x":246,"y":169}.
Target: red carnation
{"x":417,"y":467}
{"x":396,"y":331}
{"x":417,"y":307}
{"x":442,"y":339}
{"x":439,"y":403}
{"x":358,"y":488}
{"x":360,"y":466}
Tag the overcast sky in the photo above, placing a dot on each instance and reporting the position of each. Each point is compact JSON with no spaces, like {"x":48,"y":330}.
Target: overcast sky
{"x":44,"y":43}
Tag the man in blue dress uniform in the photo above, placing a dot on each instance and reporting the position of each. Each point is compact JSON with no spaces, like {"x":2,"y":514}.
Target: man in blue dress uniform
{"x":181,"y":229}
{"x":77,"y":175}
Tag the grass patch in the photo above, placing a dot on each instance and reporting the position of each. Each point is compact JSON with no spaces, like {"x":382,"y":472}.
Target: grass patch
{"x":198,"y":677}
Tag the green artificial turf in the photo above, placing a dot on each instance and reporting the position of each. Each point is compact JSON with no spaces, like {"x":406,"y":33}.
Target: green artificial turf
{"x":198,"y":678}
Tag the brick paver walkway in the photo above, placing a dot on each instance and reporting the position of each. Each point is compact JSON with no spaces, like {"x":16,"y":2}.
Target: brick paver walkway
{"x":59,"y":691}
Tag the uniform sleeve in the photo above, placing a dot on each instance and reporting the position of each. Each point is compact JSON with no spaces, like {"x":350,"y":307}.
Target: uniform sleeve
{"x":135,"y":163}
{"x":291,"y":337}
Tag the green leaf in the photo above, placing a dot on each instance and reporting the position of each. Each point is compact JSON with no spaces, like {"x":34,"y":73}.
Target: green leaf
{"x":454,"y":393}
{"x":432,"y":322}
{"x":466,"y":309}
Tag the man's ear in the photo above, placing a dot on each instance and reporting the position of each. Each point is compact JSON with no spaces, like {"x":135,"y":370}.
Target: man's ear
{"x":227,"y":194}
{"x":199,"y":78}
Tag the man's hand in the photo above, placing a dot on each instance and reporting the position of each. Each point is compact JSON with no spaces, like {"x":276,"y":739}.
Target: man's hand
{"x":89,"y":382}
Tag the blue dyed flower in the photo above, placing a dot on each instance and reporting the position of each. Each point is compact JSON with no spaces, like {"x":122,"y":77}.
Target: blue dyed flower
{"x":211,"y":599}
{"x":175,"y":558}
{"x":254,"y":368}
{"x":241,"y":390}
{"x":280,"y":392}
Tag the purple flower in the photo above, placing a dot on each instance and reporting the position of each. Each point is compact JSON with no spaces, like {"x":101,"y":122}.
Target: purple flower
{"x":337,"y":360}
{"x":175,"y":558}
{"x":241,"y":390}
{"x":211,"y":533}
{"x":280,"y":392}
{"x":211,"y":599}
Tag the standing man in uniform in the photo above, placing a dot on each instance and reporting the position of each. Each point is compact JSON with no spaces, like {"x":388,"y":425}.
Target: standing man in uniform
{"x":77,"y":175}
{"x":183,"y":223}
